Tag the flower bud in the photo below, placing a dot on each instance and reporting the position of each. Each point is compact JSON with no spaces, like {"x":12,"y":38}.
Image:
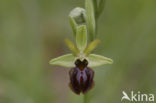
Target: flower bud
{"x":79,"y":15}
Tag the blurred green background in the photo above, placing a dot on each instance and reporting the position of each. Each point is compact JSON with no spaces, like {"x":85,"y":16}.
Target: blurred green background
{"x":32,"y":32}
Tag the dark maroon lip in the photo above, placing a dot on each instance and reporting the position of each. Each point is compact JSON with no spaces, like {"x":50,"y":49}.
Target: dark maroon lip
{"x":81,"y":64}
{"x":81,"y":77}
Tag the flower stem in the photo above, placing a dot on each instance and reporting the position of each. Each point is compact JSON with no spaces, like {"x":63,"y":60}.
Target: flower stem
{"x":85,"y":99}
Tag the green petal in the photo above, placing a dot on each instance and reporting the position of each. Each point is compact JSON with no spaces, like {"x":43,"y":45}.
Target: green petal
{"x":65,"y":61}
{"x":81,"y":37}
{"x":98,"y":60}
{"x":72,"y":47}
{"x":91,"y":47}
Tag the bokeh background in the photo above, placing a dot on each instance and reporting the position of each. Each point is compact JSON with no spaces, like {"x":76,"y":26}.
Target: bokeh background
{"x":32,"y":32}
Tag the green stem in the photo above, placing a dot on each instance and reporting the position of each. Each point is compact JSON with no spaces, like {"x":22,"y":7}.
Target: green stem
{"x":97,"y":10}
{"x":85,"y":99}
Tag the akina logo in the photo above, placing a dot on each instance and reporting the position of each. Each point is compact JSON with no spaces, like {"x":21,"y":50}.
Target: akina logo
{"x":137,"y":97}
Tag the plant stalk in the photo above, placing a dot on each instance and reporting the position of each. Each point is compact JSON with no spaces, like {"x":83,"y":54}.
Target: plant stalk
{"x":98,"y":8}
{"x":85,"y":98}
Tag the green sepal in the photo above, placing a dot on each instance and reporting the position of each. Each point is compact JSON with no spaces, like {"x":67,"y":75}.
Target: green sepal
{"x":91,"y":47}
{"x":64,"y":61}
{"x":98,"y":60}
{"x":81,"y":37}
{"x":72,"y":47}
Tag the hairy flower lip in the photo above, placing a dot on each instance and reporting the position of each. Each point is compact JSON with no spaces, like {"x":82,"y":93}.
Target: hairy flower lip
{"x":81,"y":80}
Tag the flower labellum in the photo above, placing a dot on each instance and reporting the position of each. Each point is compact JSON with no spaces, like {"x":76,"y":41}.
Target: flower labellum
{"x":81,"y":77}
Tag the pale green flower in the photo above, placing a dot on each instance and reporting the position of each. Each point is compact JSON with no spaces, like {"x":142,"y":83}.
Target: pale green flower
{"x":81,"y":51}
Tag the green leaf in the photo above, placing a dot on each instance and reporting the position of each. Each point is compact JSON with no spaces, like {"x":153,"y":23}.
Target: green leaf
{"x":72,"y":47}
{"x":65,"y":61}
{"x":100,"y":8}
{"x":91,"y":47}
{"x":98,"y":60}
{"x":90,"y":18}
{"x":81,"y":37}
